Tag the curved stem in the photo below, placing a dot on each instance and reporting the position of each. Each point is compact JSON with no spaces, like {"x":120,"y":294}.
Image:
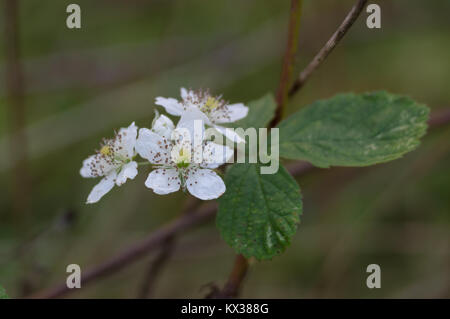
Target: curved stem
{"x":237,"y":276}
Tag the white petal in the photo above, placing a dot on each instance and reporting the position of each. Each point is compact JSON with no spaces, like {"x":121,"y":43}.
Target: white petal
{"x":105,"y":185}
{"x":192,"y":114}
{"x":215,"y":155}
{"x":230,"y":113}
{"x":205,"y":184}
{"x":86,"y":169}
{"x":96,"y":166}
{"x":153,"y":147}
{"x":128,"y":170}
{"x":184,"y":93}
{"x":163,"y":126}
{"x":171,"y":105}
{"x":127,"y":140}
{"x":188,"y":95}
{"x":163,"y":181}
{"x":193,"y":121}
{"x":230,"y":134}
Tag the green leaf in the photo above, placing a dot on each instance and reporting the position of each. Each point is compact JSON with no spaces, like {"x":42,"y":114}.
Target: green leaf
{"x":3,"y":294}
{"x":260,"y":113}
{"x":354,"y":130}
{"x":258,"y":214}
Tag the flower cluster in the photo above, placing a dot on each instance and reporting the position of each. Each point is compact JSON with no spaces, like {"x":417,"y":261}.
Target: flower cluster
{"x":181,"y":156}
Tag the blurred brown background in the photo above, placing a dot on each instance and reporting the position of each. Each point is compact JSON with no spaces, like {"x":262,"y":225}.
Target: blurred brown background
{"x":79,"y":85}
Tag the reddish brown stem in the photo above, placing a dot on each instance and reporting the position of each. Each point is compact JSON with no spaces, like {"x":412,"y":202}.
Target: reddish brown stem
{"x":233,"y":286}
{"x":165,"y":251}
{"x":135,"y":251}
{"x":16,"y":101}
{"x":439,"y":118}
{"x":288,"y":60}
{"x":156,"y":266}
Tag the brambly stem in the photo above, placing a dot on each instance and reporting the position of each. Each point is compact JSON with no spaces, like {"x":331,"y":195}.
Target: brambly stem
{"x":237,"y":276}
{"x":288,"y":60}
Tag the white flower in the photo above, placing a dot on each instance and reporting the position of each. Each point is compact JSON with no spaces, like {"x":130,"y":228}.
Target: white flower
{"x":114,"y":162}
{"x":212,"y":110}
{"x":175,"y":157}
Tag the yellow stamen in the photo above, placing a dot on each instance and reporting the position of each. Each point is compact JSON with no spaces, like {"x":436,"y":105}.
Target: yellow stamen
{"x":106,"y":150}
{"x":211,"y":104}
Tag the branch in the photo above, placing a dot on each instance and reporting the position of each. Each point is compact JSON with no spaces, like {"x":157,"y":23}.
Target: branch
{"x":166,"y":250}
{"x":137,"y":250}
{"x":234,"y":283}
{"x":148,"y":284}
{"x":16,"y":102}
{"x":329,"y":46}
{"x":439,"y":118}
{"x":288,"y":61}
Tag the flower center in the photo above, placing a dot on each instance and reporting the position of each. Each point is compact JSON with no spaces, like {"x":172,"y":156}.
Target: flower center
{"x":182,"y":157}
{"x":106,"y":150}
{"x":211,"y":104}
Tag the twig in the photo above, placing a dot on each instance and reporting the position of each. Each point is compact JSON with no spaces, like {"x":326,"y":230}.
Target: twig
{"x":15,"y":93}
{"x":439,"y":118}
{"x":166,"y":250}
{"x":157,"y":264}
{"x":288,"y":60}
{"x":237,"y":276}
{"x":136,"y":251}
{"x":329,"y":46}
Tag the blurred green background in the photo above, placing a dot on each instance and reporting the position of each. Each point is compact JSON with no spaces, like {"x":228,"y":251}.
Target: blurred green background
{"x":82,"y":84}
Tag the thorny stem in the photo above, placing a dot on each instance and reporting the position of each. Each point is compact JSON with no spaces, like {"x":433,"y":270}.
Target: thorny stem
{"x":288,"y":60}
{"x":329,"y":46}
